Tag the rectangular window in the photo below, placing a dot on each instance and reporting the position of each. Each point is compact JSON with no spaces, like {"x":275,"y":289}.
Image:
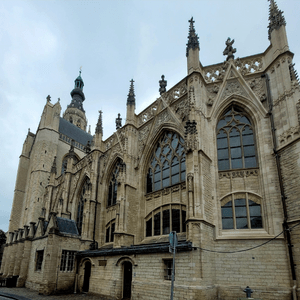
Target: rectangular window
{"x":168,"y":266}
{"x":39,"y":260}
{"x":67,"y":260}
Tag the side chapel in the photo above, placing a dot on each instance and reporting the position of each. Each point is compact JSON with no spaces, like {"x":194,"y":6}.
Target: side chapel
{"x":215,"y":158}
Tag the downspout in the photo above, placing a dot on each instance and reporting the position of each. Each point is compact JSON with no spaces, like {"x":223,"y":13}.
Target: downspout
{"x":285,"y":225}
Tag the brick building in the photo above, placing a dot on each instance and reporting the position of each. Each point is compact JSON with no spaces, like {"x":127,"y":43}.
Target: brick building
{"x":215,"y":158}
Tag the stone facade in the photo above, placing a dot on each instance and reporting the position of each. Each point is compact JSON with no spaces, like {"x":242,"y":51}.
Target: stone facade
{"x":215,"y":158}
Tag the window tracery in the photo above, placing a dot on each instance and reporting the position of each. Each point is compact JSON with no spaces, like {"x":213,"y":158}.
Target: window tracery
{"x":113,"y":183}
{"x":235,"y":141}
{"x":167,"y":164}
{"x":166,"y":219}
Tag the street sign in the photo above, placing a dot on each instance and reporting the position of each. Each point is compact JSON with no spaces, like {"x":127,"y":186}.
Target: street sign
{"x":173,"y":239}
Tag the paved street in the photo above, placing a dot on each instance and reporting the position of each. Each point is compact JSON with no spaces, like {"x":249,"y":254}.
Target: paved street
{"x":26,"y":294}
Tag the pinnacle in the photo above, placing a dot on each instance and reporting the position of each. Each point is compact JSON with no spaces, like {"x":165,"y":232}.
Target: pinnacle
{"x":276,"y":17}
{"x":131,"y":95}
{"x":193,"y":39}
{"x":99,"y":128}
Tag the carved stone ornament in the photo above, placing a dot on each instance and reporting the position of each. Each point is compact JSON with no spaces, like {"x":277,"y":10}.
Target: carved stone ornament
{"x":233,"y":88}
{"x":249,"y":65}
{"x":212,"y":92}
{"x":298,"y":110}
{"x":162,"y":118}
{"x":182,"y":109}
{"x":190,"y":136}
{"x":289,"y":134}
{"x":235,"y":174}
{"x":258,"y":87}
{"x":190,"y":179}
{"x":143,"y":134}
{"x":229,"y":50}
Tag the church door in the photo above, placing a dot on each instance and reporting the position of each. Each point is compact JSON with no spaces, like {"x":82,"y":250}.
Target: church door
{"x":127,"y":278}
{"x":86,"y":278}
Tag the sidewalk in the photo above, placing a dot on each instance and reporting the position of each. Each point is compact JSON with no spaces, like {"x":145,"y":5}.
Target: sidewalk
{"x":27,"y":294}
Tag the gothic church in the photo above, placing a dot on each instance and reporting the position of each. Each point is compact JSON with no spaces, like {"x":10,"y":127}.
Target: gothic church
{"x":215,"y":158}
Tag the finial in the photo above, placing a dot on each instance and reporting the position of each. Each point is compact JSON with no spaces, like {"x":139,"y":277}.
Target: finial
{"x":131,"y":95}
{"x":58,"y":99}
{"x":229,"y":50}
{"x":89,"y":132}
{"x":193,"y":39}
{"x":80,"y":69}
{"x":48,"y":98}
{"x":276,"y":18}
{"x":99,"y":128}
{"x":118,"y":122}
{"x":162,"y":85}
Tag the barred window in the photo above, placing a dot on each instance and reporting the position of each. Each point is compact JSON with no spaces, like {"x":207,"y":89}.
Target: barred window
{"x":113,"y":183}
{"x":167,"y":165}
{"x":241,"y":213}
{"x":166,"y":219}
{"x":67,"y":260}
{"x":110,"y":230}
{"x":168,"y":267}
{"x":39,"y":260}
{"x":235,"y":141}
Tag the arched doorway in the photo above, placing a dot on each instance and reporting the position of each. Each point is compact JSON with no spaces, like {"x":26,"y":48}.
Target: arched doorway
{"x":86,"y":278}
{"x":127,"y":278}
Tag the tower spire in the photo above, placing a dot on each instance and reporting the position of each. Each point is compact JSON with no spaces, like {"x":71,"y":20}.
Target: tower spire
{"x":276,"y":18}
{"x":131,"y":95}
{"x":99,"y":128}
{"x":193,"y":39}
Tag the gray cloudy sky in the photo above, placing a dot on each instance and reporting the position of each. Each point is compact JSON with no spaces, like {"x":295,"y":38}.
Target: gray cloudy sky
{"x":44,"y":43}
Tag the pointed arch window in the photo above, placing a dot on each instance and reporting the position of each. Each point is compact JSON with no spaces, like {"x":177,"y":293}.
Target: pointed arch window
{"x":113,"y":183}
{"x":167,"y":164}
{"x":80,"y":207}
{"x":235,"y":141}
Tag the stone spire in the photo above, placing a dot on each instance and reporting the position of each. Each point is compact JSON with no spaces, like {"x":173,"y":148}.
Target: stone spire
{"x":276,"y":18}
{"x":131,"y":95}
{"x":99,"y":128}
{"x":193,"y":39}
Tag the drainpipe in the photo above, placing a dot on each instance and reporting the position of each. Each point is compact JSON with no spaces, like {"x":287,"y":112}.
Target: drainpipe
{"x":285,"y":225}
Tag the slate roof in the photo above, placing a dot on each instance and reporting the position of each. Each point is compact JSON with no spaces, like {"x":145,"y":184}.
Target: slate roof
{"x":74,"y":132}
{"x":67,"y":226}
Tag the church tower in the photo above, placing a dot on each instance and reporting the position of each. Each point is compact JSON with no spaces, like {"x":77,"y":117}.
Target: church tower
{"x":75,"y":113}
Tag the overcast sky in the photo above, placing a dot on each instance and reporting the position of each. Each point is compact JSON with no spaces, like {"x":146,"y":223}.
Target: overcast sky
{"x":44,"y":43}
